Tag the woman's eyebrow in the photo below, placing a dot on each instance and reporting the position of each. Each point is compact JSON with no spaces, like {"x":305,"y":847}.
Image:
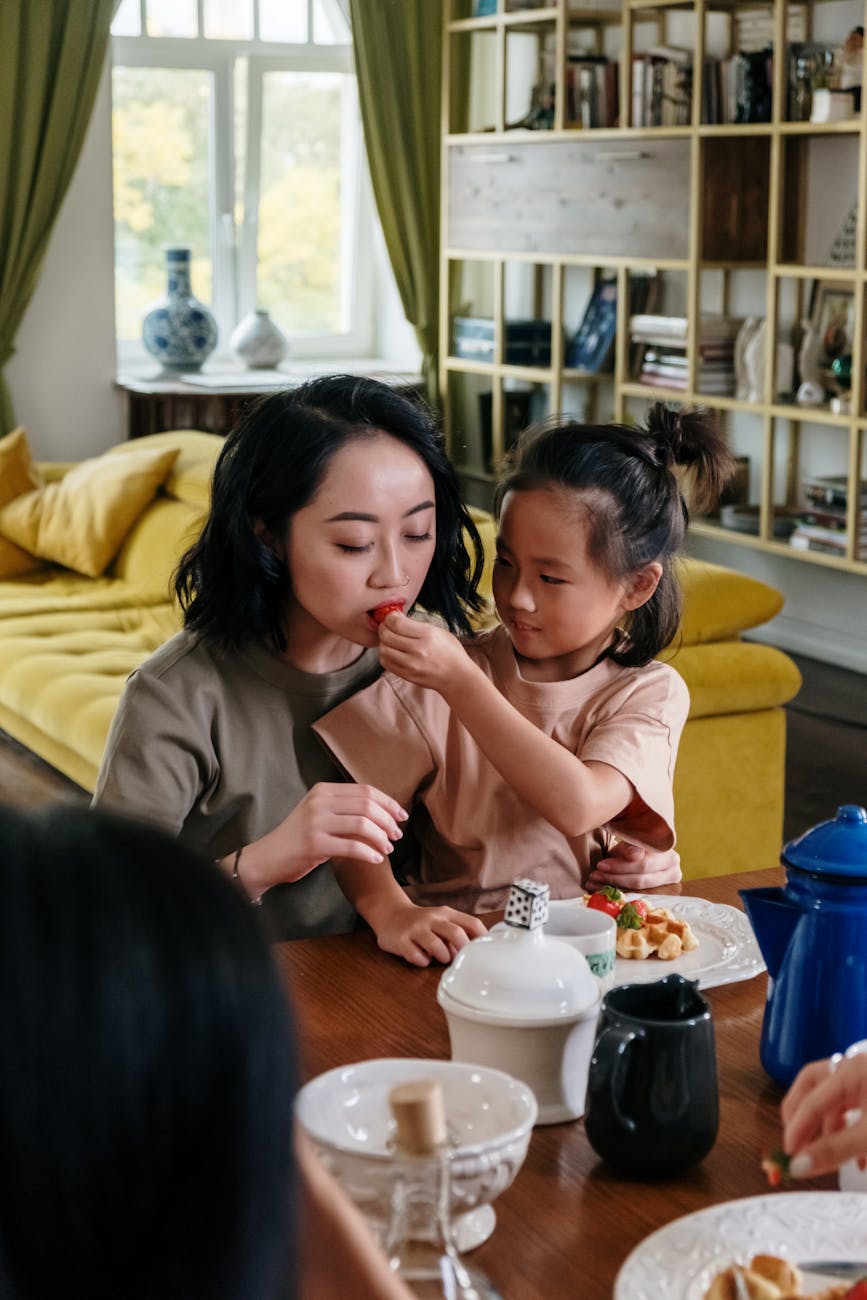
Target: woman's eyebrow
{"x":349,"y":515}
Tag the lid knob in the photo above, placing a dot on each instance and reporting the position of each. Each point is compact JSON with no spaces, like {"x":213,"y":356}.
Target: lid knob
{"x":419,"y":1111}
{"x":851,"y":812}
{"x":527,"y":906}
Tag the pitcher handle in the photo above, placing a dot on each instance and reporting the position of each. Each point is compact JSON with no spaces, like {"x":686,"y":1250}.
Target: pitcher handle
{"x":610,"y":1059}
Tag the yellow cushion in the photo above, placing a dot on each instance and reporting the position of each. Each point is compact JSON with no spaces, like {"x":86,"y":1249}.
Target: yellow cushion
{"x":734,"y":677}
{"x":81,"y":521}
{"x":190,"y":477}
{"x":719,"y":603}
{"x":17,"y":476}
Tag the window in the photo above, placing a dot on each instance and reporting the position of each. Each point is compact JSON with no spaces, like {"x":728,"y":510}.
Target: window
{"x":236,"y":131}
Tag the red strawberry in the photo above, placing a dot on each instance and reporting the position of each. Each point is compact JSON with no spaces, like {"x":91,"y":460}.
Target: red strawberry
{"x":381,"y":613}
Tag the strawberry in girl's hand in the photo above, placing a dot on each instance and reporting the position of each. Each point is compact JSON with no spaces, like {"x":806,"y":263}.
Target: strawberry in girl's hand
{"x":858,"y":1291}
{"x":381,"y":613}
{"x":776,"y":1168}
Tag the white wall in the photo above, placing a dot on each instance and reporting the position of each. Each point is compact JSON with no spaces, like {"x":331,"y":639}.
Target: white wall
{"x":61,"y":376}
{"x":61,"y":381}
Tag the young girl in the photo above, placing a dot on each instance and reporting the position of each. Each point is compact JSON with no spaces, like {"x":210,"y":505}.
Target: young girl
{"x":530,"y":747}
{"x":328,"y":499}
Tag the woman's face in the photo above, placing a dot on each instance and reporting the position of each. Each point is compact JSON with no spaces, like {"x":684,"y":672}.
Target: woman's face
{"x":365,"y":539}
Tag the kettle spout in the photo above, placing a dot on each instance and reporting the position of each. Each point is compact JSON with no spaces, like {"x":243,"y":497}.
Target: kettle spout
{"x":772,"y":916}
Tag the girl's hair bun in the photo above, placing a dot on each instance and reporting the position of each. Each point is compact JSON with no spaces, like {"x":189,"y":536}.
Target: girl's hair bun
{"x":692,"y":438}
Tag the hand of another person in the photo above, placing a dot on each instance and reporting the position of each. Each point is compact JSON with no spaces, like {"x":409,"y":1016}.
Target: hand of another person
{"x":630,"y":866}
{"x":421,"y":934}
{"x":422,"y":653}
{"x":815,"y":1132}
{"x":334,"y":819}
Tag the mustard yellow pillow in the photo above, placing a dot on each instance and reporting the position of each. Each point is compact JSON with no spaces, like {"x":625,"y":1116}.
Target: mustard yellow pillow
{"x":17,"y":476}
{"x":81,"y":521}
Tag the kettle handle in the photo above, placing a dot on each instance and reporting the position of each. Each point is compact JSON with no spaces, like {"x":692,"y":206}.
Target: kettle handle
{"x":609,"y":1066}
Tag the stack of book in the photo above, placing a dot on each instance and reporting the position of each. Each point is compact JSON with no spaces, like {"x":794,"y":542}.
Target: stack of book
{"x":822,"y":519}
{"x":662,"y":86}
{"x":662,"y":356}
{"x":592,"y":90}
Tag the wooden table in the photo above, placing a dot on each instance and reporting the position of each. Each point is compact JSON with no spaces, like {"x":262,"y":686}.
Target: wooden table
{"x":567,"y":1222}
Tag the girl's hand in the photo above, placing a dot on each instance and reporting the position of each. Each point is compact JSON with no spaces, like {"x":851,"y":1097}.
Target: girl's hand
{"x":421,"y":934}
{"x":333,"y":820}
{"x":814,"y":1109}
{"x":422,"y":653}
{"x":630,"y":866}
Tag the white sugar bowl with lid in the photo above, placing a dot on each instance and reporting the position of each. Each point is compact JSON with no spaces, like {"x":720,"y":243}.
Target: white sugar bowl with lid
{"x":527,"y":1004}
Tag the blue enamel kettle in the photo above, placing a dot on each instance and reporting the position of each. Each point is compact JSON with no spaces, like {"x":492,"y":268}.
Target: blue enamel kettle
{"x":813,"y":937}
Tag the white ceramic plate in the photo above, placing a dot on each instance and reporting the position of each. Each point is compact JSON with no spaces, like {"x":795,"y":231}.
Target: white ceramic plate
{"x":680,"y":1260}
{"x":727,"y":950}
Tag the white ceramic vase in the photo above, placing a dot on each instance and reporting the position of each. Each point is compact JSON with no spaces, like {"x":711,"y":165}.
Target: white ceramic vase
{"x":258,"y":341}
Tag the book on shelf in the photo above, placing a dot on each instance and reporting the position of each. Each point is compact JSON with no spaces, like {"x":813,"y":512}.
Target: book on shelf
{"x":662,"y":86}
{"x":592,"y":90}
{"x":590,"y":347}
{"x":831,"y":490}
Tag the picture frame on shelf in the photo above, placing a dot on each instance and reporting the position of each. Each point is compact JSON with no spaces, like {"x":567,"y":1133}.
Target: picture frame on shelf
{"x":832,"y":314}
{"x":590,"y":346}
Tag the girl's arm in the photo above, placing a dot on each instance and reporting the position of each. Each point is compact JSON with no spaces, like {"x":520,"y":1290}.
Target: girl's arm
{"x":573,"y":796}
{"x":415,"y":933}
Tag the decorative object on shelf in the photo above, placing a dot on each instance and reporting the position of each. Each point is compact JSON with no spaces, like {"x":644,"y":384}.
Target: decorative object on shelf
{"x":754,"y":362}
{"x":755,"y":104}
{"x":843,"y":248}
{"x":259,"y":343}
{"x":178,"y":329}
{"x":591,"y":346}
{"x":744,"y":335}
{"x":832,"y":312}
{"x":831,"y":105}
{"x":810,"y":390}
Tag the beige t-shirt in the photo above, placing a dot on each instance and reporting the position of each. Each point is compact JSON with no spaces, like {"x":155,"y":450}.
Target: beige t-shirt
{"x":216,"y":747}
{"x":475,"y":834}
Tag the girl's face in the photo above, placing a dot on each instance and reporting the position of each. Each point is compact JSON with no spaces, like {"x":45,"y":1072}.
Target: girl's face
{"x":366,"y":538}
{"x":558,"y":606}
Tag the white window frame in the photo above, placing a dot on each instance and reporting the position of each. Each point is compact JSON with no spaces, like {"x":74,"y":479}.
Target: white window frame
{"x":234,"y":281}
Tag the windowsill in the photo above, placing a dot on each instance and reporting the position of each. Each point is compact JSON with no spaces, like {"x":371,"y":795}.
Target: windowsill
{"x":228,"y":378}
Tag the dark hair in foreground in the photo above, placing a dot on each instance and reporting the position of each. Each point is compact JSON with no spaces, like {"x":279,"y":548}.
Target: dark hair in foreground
{"x":148,"y":1074}
{"x":634,"y":505}
{"x":231,"y":586}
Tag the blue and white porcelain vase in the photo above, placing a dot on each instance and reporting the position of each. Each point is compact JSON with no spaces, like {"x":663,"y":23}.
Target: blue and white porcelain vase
{"x":179,"y":330}
{"x":258,"y":341}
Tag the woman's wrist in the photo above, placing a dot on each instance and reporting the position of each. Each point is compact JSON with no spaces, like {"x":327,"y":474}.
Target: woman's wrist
{"x":243,"y":874}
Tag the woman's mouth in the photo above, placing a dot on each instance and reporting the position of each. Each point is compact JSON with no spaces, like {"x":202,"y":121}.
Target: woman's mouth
{"x":381,"y":612}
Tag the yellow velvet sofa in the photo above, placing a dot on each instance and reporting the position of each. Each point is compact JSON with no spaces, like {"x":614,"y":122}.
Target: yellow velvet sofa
{"x":68,"y":643}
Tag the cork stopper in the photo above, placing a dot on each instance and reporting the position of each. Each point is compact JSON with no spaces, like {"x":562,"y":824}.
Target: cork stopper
{"x":419,"y":1111}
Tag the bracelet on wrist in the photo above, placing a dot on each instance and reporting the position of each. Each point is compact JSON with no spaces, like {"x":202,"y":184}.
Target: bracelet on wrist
{"x":236,"y":875}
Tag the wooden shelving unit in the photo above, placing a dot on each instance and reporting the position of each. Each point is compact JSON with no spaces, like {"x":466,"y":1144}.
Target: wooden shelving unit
{"x":720,"y":217}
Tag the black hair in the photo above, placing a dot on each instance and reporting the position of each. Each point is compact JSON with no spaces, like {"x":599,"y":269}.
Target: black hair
{"x":231,"y":586}
{"x":635,"y":508}
{"x":147,"y":1086}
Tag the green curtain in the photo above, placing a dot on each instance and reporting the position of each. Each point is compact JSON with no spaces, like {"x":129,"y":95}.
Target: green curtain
{"x":398,"y":59}
{"x":51,"y":58}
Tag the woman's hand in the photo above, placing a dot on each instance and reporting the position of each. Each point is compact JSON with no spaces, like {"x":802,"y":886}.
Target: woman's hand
{"x":815,"y":1132}
{"x":422,"y":934}
{"x":423,"y":653}
{"x":630,"y":866}
{"x":357,"y":822}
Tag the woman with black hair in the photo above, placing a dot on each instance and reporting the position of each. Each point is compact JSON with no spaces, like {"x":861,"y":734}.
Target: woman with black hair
{"x":331,"y":503}
{"x":146,"y":1091}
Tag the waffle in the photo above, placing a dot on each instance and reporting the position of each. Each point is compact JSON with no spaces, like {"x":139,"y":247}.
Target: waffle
{"x":767,"y":1277}
{"x":662,"y":933}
